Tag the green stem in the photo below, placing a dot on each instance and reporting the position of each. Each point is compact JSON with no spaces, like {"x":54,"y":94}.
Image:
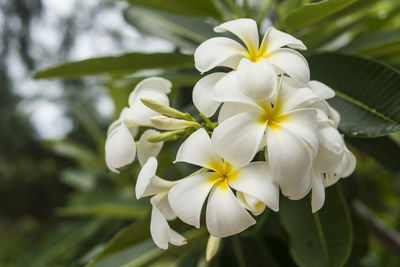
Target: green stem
{"x":246,"y":7}
{"x":238,"y":251}
{"x":235,"y":9}
{"x":209,"y":123}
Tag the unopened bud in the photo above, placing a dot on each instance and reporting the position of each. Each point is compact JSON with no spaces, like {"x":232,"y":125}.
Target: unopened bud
{"x":212,"y":247}
{"x":166,"y":123}
{"x":166,"y":136}
{"x":163,"y":109}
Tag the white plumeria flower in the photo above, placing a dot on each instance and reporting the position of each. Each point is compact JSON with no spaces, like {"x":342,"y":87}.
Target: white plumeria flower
{"x":120,"y":147}
{"x":225,"y":215}
{"x":148,"y":183}
{"x":257,"y":65}
{"x":325,"y":111}
{"x":154,"y":88}
{"x":333,"y":161}
{"x":283,"y":125}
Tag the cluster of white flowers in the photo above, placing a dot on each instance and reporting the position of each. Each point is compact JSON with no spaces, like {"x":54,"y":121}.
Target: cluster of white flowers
{"x":267,"y":103}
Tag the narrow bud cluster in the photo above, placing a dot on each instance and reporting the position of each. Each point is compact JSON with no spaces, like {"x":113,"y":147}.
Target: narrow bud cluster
{"x":266,"y":103}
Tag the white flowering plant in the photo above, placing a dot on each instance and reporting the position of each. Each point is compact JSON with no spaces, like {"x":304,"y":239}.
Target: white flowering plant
{"x":264,"y":121}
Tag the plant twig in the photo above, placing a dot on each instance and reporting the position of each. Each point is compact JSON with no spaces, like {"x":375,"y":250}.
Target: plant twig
{"x":235,"y":9}
{"x":264,"y":11}
{"x":246,"y":7}
{"x":388,"y":237}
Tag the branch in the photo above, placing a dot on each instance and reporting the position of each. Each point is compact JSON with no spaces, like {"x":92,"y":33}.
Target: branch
{"x":388,"y":237}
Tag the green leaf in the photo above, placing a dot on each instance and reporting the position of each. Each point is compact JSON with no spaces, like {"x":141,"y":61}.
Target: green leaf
{"x":128,"y":236}
{"x":321,"y":239}
{"x":128,"y":63}
{"x":385,"y":150}
{"x":184,"y":31}
{"x":109,"y":210}
{"x":367,"y":92}
{"x":376,"y":44}
{"x":144,"y":252}
{"x":186,"y":7}
{"x":314,"y":12}
{"x":72,"y":150}
{"x":114,"y":204}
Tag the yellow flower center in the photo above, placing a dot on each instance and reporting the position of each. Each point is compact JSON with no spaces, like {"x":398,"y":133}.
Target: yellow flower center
{"x":223,"y":175}
{"x":272,"y":114}
{"x":256,"y":55}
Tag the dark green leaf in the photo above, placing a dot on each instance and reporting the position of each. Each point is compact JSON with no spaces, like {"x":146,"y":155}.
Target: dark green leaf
{"x":130,"y":235}
{"x":128,"y":63}
{"x":376,"y":44}
{"x":109,"y":210}
{"x":383,"y":149}
{"x":184,"y":31}
{"x":321,"y":239}
{"x":145,"y":252}
{"x":311,"y":13}
{"x":367,"y":92}
{"x":186,"y":7}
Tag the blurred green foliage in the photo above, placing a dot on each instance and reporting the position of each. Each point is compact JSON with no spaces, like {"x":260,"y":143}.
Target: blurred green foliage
{"x":61,"y":207}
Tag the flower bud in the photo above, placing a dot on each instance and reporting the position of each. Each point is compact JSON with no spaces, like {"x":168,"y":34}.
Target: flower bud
{"x":163,"y":109}
{"x":212,"y":247}
{"x":166,"y":123}
{"x":251,"y":203}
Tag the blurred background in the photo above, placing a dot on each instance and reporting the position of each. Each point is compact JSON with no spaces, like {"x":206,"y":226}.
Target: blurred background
{"x":59,"y":205}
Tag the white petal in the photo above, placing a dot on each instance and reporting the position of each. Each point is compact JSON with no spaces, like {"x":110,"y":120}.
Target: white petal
{"x":225,"y":216}
{"x":113,"y":126}
{"x":303,"y":124}
{"x":120,"y":148}
{"x":318,"y":192}
{"x":255,"y":179}
{"x":327,"y":160}
{"x":229,"y":109}
{"x":274,"y":39}
{"x":139,"y":113}
{"x":160,"y":200}
{"x":227,"y":90}
{"x":177,"y":239}
{"x":161,"y":233}
{"x":334,"y":116}
{"x":292,"y":63}
{"x":300,"y":190}
{"x":251,"y":203}
{"x":237,"y":139}
{"x":321,"y":90}
{"x":331,"y":145}
{"x":257,"y":80}
{"x":289,"y":156}
{"x":187,"y":197}
{"x":218,"y":51}
{"x":153,"y":84}
{"x":198,"y":150}
{"x":245,"y":29}
{"x":344,"y":169}
{"x":159,"y":229}
{"x":202,"y":94}
{"x":146,"y":149}
{"x":212,"y":247}
{"x":291,"y":98}
{"x":148,"y":183}
{"x":349,"y":163}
